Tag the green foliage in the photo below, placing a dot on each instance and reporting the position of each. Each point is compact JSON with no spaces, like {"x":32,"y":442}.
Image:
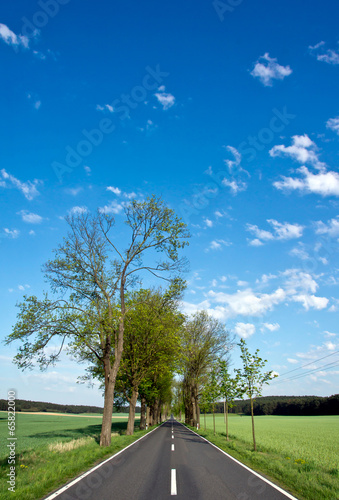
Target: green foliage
{"x":250,"y":376}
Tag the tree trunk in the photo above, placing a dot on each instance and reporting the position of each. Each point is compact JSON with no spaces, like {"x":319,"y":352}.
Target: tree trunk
{"x":148,"y":417}
{"x":226,"y":416}
{"x":253,"y":433}
{"x":106,"y":428}
{"x":143,"y":414}
{"x":131,"y":414}
{"x":155,"y":412}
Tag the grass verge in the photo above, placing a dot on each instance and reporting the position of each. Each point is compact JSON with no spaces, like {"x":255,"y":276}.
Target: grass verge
{"x":304,"y":480}
{"x":44,"y":469}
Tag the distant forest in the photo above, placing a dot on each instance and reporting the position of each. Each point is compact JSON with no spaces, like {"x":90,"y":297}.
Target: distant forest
{"x":35,"y":406}
{"x":287,"y":405}
{"x":268,"y":405}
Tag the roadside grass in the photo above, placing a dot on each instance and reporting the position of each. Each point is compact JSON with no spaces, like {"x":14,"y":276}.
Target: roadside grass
{"x":51,"y":450}
{"x":300,"y":454}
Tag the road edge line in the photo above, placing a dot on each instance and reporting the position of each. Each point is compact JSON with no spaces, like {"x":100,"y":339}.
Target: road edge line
{"x":64,"y":488}
{"x":288,"y":495}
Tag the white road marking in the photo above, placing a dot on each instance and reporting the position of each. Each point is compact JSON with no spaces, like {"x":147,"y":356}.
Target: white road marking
{"x":287,"y":495}
{"x":64,"y":488}
{"x":173,"y":482}
{"x":172,"y":436}
{"x":172,"y":447}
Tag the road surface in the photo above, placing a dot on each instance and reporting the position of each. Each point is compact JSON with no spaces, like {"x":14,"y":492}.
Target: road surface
{"x":169,"y":462}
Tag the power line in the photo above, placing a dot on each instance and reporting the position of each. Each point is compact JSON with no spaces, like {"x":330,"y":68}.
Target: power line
{"x":300,"y":375}
{"x":310,"y":363}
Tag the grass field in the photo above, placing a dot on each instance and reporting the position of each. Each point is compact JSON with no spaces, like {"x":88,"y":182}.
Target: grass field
{"x":51,"y":449}
{"x":299,"y":452}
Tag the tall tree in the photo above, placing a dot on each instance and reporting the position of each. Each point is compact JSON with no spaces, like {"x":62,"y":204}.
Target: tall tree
{"x":204,"y":339}
{"x":90,"y":276}
{"x":252,"y":378}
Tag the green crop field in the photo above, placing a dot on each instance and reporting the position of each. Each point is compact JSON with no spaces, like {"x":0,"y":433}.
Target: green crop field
{"x":51,"y":449}
{"x":299,"y":452}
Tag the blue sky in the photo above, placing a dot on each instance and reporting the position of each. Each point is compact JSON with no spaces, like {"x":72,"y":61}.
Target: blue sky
{"x":229,"y":111}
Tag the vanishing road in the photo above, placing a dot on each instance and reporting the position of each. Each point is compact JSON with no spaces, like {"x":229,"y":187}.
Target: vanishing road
{"x":170,"y":461}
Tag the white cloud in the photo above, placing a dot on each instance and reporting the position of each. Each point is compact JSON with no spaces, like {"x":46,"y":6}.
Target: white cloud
{"x":246,"y":302}
{"x":236,"y":186}
{"x":242,"y":283}
{"x":299,"y":252}
{"x":293,"y":361}
{"x":272,"y":327}
{"x":114,"y":190}
{"x":105,"y":106}
{"x":302,"y":150}
{"x":282,"y":231}
{"x":22,"y":288}
{"x":208,"y":222}
{"x":77,"y":210}
{"x":237,"y":158}
{"x":256,"y":243}
{"x":87,"y":169}
{"x":31,"y":233}
{"x":10,"y":38}
{"x":218,"y":244}
{"x":30,"y":217}
{"x":298,"y":281}
{"x":244,"y":330}
{"x":311,"y":301}
{"x":214,"y":283}
{"x":11,"y":233}
{"x":331,"y":228}
{"x":166,"y":100}
{"x":333,"y":124}
{"x":267,"y":69}
{"x":330,"y":56}
{"x":112,"y":208}
{"x":324,"y":184}
{"x":28,"y":189}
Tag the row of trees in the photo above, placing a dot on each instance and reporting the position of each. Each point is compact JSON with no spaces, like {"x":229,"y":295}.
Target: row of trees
{"x":134,"y":339}
{"x":207,"y":379}
{"x":92,"y":278}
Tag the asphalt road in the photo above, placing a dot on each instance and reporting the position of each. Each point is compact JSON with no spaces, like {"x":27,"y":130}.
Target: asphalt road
{"x":171,"y":461}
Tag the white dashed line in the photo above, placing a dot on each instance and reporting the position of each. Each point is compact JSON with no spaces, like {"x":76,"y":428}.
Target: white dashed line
{"x":172,"y":447}
{"x":173,"y":482}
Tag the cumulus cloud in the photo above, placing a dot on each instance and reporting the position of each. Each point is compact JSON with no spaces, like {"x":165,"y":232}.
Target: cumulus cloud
{"x":113,"y":207}
{"x":333,"y":124}
{"x":267,"y":69}
{"x":302,"y":150}
{"x":164,"y":98}
{"x":244,"y":330}
{"x":324,"y":183}
{"x":330,"y":229}
{"x":114,"y":190}
{"x":281,"y":231}
{"x":28,"y":189}
{"x":30,"y":217}
{"x":311,"y":301}
{"x":218,"y":244}
{"x":10,"y":38}
{"x":329,"y":56}
{"x":246,"y":302}
{"x":272,"y":327}
{"x":77,"y":210}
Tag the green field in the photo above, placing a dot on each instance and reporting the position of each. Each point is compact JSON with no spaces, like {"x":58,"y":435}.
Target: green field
{"x":43,"y":463}
{"x":301,"y":453}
